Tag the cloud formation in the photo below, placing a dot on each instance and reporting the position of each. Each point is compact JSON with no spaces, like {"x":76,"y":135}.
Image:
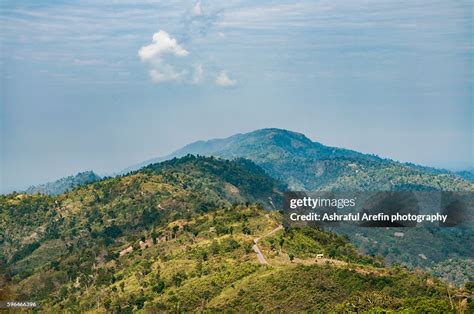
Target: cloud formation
{"x":163,"y":52}
{"x":197,"y":11}
{"x":198,"y":74}
{"x":162,"y":44}
{"x":165,"y":73}
{"x":224,"y":80}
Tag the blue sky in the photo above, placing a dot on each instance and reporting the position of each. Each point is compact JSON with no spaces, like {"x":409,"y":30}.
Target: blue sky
{"x":103,"y":85}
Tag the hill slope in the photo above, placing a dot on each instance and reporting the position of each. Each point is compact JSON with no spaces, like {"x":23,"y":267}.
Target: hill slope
{"x":181,"y":236}
{"x":64,"y":184}
{"x":466,"y":174}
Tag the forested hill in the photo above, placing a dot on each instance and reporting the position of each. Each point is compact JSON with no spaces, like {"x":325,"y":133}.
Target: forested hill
{"x":126,"y":203}
{"x":45,"y":241}
{"x":306,"y":165}
{"x":466,"y":174}
{"x":182,"y":236}
{"x":64,"y":184}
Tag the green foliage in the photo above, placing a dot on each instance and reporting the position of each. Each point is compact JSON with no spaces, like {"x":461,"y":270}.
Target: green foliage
{"x":429,"y":305}
{"x":469,"y":286}
{"x":446,"y":252}
{"x":24,"y":251}
{"x":325,"y":289}
{"x":456,"y":270}
{"x":250,"y":179}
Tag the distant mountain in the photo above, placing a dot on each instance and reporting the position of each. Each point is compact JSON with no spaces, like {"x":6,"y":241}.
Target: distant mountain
{"x":64,"y":184}
{"x":306,"y":165}
{"x":192,"y":235}
{"x":466,"y":174}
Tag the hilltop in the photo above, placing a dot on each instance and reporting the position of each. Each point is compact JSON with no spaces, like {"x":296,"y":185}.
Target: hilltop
{"x":306,"y":165}
{"x":64,"y":184}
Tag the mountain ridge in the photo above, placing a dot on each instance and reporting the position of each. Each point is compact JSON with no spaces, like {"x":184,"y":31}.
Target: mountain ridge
{"x":219,"y":144}
{"x":222,"y":147}
{"x":64,"y":184}
{"x":285,"y":155}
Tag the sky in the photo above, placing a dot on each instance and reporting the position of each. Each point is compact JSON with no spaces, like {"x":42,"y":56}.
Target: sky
{"x":102,"y":85}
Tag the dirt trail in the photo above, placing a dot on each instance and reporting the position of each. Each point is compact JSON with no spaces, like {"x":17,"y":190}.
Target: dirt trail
{"x":260,"y":256}
{"x":312,"y":261}
{"x":257,"y":250}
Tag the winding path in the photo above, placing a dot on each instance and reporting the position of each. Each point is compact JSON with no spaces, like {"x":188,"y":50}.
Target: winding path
{"x":257,"y":250}
{"x":318,"y":261}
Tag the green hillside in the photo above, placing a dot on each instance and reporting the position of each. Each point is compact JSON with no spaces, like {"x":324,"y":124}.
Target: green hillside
{"x":182,"y":236}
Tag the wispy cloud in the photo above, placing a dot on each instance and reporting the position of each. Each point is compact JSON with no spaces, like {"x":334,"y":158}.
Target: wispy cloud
{"x":199,"y":22}
{"x":112,"y":32}
{"x":198,"y":75}
{"x":165,"y":73}
{"x":86,"y":61}
{"x":197,"y":11}
{"x":224,"y":80}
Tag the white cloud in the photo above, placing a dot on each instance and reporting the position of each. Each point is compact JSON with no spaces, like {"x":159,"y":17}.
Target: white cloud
{"x":162,"y":44}
{"x":198,"y":74}
{"x":164,"y":74}
{"x":197,"y":11}
{"x":224,"y":80}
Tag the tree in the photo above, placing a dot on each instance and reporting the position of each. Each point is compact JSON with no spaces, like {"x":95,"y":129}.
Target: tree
{"x":154,"y":235}
{"x":159,"y":286}
{"x":282,"y":241}
{"x":469,"y":286}
{"x":175,"y":230}
{"x":272,"y":244}
{"x":178,"y":278}
{"x":214,"y":247}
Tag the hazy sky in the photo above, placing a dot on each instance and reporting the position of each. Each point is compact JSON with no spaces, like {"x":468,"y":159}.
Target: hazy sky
{"x":105,"y":84}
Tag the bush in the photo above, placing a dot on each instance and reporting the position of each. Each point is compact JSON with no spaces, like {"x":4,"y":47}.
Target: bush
{"x":159,"y":287}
